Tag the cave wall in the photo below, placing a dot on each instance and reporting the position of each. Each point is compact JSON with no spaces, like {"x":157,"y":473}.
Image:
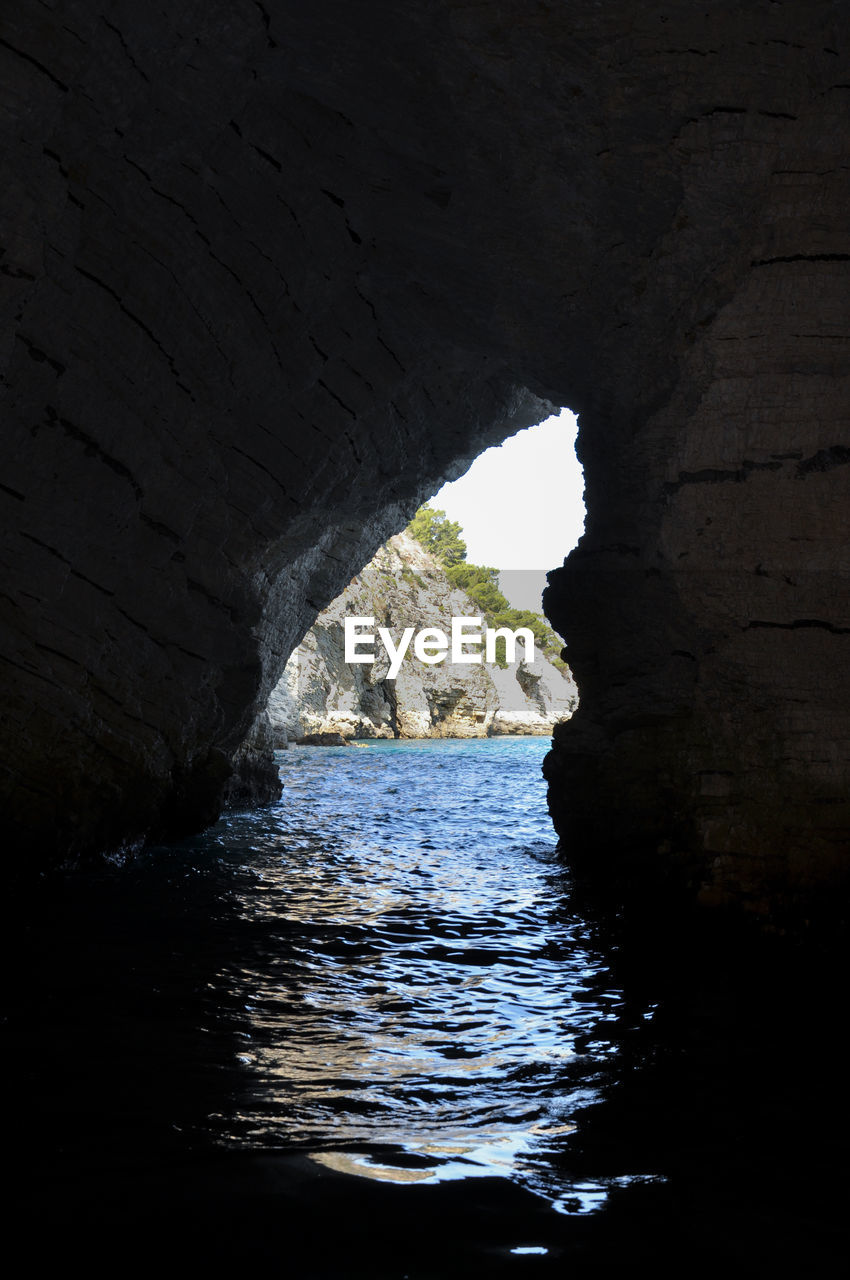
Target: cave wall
{"x":707,"y":608}
{"x":271,"y":271}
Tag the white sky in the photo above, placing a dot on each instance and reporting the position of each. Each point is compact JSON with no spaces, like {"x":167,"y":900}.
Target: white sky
{"x":520,"y":506}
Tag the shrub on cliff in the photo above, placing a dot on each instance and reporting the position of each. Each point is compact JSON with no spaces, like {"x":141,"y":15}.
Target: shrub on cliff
{"x":442,"y":537}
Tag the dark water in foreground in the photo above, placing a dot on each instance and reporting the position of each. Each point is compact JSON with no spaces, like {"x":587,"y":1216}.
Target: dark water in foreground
{"x":369,"y":1031}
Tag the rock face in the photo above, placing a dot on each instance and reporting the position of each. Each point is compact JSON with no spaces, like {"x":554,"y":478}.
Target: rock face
{"x":270,"y":272}
{"x":404,"y":586}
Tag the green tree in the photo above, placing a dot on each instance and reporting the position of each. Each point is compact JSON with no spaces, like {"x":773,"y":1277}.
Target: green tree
{"x":439,"y":535}
{"x":442,"y":537}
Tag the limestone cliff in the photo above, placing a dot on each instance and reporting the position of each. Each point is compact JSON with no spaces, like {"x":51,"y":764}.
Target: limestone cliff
{"x":404,"y":586}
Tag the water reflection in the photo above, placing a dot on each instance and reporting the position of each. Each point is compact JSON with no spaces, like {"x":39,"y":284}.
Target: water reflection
{"x":424,"y":1009}
{"x":393,"y":980}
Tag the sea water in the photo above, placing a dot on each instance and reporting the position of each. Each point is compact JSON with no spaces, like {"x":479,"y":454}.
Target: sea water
{"x":420,"y":1002}
{"x":386,"y":981}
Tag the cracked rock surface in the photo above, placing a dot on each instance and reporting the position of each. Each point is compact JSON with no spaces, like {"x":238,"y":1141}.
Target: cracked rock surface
{"x":270,"y":272}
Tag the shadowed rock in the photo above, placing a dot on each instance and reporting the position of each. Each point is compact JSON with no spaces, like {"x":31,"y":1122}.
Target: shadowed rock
{"x":323,"y":740}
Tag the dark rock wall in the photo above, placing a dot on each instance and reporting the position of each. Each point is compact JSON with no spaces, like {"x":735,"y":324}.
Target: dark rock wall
{"x":271,"y":271}
{"x":708,"y":608}
{"x":222,"y":390}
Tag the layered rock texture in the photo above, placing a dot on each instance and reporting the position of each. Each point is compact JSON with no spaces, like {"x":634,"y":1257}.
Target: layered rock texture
{"x":271,"y":271}
{"x":402,"y":587}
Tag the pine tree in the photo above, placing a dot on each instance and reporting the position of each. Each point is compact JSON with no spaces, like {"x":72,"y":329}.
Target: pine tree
{"x":443,"y":538}
{"x":440,"y":535}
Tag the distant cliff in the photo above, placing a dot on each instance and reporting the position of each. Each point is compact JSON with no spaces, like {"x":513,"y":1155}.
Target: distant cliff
{"x":405,"y":586}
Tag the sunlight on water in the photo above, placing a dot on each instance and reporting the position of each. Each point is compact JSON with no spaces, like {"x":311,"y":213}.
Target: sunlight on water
{"x":420,"y":1004}
{"x":390,"y":975}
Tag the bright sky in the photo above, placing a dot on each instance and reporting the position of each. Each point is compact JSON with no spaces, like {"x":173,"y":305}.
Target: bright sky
{"x":520,"y":506}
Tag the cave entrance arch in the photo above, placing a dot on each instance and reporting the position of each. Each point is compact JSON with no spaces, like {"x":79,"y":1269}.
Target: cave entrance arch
{"x":259,"y":301}
{"x":479,"y":549}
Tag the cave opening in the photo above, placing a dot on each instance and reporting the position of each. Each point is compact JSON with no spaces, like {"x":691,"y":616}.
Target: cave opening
{"x":472,"y":563}
{"x":521,"y":505}
{"x":429,"y":858}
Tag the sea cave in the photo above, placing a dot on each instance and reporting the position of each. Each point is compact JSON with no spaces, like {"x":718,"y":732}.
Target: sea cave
{"x":273,"y":272}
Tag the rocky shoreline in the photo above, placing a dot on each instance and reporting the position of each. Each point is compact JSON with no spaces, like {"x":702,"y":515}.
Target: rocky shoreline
{"x":404,"y":585}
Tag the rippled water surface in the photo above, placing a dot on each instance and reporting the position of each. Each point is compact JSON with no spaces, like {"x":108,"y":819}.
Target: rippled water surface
{"x":386,"y":975}
{"x":423,"y":1003}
